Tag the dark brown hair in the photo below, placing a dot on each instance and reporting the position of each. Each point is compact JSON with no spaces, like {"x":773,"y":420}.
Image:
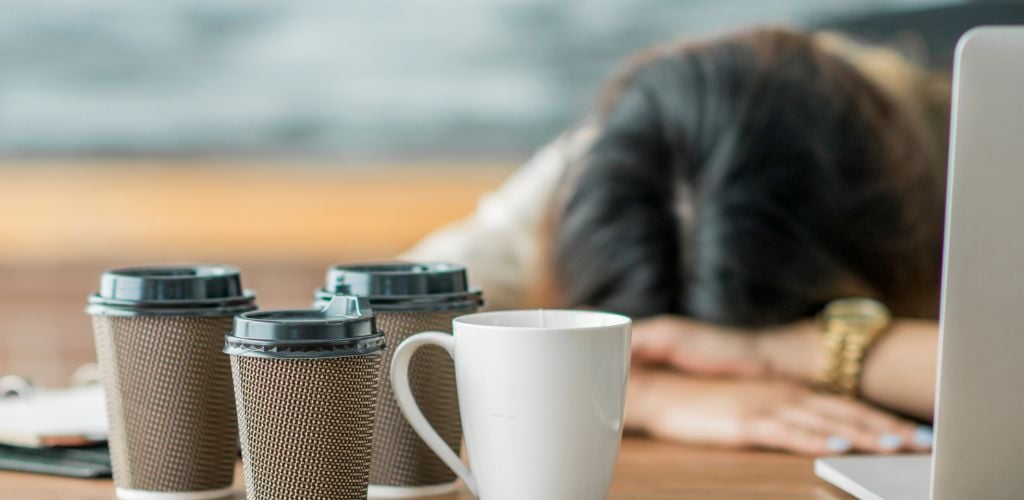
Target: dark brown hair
{"x":748,"y":180}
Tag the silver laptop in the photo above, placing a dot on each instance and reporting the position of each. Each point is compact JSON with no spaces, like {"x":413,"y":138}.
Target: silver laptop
{"x":979,"y":427}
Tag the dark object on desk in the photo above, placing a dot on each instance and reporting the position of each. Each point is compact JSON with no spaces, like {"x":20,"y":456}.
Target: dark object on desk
{"x":90,"y":462}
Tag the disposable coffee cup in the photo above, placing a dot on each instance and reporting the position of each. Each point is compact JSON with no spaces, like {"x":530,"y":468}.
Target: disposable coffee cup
{"x":159,"y":331}
{"x":306,"y":386}
{"x":409,"y":298}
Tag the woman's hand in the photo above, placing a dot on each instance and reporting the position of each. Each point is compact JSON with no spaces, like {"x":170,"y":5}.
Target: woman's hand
{"x":898,"y":372}
{"x":763,"y":413}
{"x":710,"y":350}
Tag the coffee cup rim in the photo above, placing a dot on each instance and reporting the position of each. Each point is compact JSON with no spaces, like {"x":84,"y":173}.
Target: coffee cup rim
{"x":492,"y":320}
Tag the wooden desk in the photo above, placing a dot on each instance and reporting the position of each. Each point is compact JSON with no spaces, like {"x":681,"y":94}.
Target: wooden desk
{"x":646,"y":470}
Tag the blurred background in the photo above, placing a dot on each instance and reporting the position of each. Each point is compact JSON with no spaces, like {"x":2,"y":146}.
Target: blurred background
{"x":285,"y":136}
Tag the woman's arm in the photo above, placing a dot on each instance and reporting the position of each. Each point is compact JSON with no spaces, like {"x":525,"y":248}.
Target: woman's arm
{"x":898,"y":371}
{"x":774,"y":414}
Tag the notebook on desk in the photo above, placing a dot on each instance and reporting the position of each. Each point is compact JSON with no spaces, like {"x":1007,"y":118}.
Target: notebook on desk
{"x":86,"y":462}
{"x":54,"y":417}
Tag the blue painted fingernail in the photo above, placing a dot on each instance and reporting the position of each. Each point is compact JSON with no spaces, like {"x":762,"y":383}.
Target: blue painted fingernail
{"x":890,"y":441}
{"x":837,"y":444}
{"x":924,"y":436}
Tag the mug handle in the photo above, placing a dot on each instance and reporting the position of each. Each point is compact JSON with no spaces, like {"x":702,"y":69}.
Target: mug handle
{"x":407,"y":403}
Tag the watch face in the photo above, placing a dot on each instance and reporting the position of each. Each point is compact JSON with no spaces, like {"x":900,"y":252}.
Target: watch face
{"x":856,"y":312}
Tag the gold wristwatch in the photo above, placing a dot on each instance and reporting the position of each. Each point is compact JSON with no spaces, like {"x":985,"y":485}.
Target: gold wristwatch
{"x":849,"y":327}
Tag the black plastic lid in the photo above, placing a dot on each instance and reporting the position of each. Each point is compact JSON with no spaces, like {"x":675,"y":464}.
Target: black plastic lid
{"x":345,"y":327}
{"x":176,"y":289}
{"x":403,"y":285}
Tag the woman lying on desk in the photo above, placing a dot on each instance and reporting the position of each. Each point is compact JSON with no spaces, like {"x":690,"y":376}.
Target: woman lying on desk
{"x":728,"y":194}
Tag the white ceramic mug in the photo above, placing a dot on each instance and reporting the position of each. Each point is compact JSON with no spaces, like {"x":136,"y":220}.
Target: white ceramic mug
{"x":541,"y":395}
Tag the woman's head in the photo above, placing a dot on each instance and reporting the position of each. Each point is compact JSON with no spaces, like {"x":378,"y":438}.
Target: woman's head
{"x":749,"y":180}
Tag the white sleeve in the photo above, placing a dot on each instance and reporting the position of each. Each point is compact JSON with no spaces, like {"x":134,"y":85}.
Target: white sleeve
{"x":499,"y":242}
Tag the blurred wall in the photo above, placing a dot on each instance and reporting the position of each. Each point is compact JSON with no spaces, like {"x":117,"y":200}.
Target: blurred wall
{"x":403,"y":77}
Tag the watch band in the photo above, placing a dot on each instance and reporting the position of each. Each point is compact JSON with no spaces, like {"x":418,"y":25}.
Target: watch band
{"x":849,"y":328}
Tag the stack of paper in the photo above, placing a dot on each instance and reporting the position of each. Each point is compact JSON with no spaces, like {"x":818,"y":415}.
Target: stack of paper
{"x":54,"y":417}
